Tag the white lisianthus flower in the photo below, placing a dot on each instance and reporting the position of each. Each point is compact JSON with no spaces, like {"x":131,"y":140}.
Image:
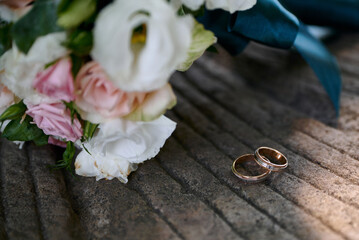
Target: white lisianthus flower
{"x":228,"y":5}
{"x":139,"y":43}
{"x":193,"y":4}
{"x":17,"y":70}
{"x":119,"y":145}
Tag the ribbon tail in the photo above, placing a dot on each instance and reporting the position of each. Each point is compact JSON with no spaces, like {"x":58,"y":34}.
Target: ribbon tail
{"x":342,"y":14}
{"x":322,"y":62}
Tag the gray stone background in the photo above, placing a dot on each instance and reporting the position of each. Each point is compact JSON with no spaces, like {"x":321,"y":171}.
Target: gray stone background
{"x":226,"y":107}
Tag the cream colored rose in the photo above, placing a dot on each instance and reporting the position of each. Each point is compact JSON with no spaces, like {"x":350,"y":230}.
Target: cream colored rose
{"x":119,"y":145}
{"x":139,"y":43}
{"x":98,"y":100}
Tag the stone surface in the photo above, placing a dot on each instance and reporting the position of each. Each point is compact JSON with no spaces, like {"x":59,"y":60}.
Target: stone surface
{"x":226,"y":107}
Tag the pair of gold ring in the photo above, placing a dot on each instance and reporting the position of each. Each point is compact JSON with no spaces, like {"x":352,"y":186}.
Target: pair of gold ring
{"x":263,"y":156}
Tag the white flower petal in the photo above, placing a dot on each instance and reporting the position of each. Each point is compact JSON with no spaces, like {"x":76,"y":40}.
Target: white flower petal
{"x":6,"y":13}
{"x":230,"y":5}
{"x":176,"y":4}
{"x":154,"y":105}
{"x":142,"y":66}
{"x":11,"y":15}
{"x":193,"y":4}
{"x":119,"y":145}
{"x":96,"y":165}
{"x":19,"y":70}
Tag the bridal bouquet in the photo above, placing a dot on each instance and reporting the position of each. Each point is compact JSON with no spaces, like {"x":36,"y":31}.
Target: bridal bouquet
{"x":94,"y":74}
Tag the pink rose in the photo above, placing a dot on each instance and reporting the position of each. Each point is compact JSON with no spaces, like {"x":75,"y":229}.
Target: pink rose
{"x":98,"y":98}
{"x":16,"y":3}
{"x":6,"y":98}
{"x":54,"y":119}
{"x":56,"y":81}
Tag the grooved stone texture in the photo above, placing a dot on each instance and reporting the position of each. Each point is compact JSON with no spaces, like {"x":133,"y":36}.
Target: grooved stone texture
{"x":227,"y":106}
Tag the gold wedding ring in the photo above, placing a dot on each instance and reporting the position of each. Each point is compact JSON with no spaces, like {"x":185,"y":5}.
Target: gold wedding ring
{"x":264,"y":155}
{"x":245,"y":158}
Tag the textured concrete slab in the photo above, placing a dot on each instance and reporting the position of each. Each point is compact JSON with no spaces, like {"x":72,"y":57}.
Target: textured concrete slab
{"x":226,"y":107}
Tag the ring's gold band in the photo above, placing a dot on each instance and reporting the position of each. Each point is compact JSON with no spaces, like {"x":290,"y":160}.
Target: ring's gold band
{"x":244,"y":158}
{"x":263,"y":154}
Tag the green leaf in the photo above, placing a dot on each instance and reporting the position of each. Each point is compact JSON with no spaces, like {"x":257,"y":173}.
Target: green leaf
{"x":71,"y":107}
{"x":185,"y":10}
{"x":5,"y":37}
{"x":80,"y":42}
{"x":67,"y":157}
{"x":212,"y":49}
{"x":50,"y":64}
{"x":13,"y":112}
{"x":72,"y":14}
{"x":77,"y":63}
{"x":24,"y":130}
{"x":40,"y":21}
{"x":63,"y":5}
{"x":42,"y":140}
{"x":201,"y":40}
{"x":89,"y":130}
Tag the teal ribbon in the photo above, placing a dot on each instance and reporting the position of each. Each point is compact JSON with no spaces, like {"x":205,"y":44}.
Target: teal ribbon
{"x":269,"y":23}
{"x":217,"y":21}
{"x":342,"y":14}
{"x":322,"y":62}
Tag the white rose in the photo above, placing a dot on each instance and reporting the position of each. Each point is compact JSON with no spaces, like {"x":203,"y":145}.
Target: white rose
{"x":120,"y":145}
{"x":141,"y":61}
{"x":228,"y":5}
{"x":17,"y":70}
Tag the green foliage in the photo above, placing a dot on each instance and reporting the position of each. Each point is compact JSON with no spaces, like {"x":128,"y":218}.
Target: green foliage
{"x":89,"y":130}
{"x":67,"y":157}
{"x":40,"y":21}
{"x":5,"y":37}
{"x":71,"y":107}
{"x":77,"y":63}
{"x":212,"y":49}
{"x":13,"y":112}
{"x":51,"y":63}
{"x":73,"y":12}
{"x":201,"y":40}
{"x":63,"y":5}
{"x":80,"y":42}
{"x":184,"y":11}
{"x":23,"y":130}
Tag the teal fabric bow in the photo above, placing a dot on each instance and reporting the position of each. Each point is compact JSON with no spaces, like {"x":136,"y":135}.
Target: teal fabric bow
{"x":269,"y":23}
{"x":342,"y":14}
